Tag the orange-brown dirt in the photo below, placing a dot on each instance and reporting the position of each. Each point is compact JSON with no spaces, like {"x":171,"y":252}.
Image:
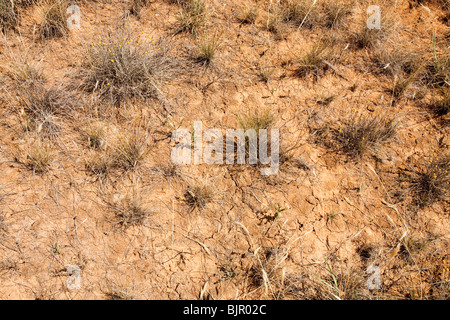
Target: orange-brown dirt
{"x":284,"y":236}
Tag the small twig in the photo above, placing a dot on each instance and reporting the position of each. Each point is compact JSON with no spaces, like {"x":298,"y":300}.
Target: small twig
{"x":200,"y":243}
{"x":248,"y":235}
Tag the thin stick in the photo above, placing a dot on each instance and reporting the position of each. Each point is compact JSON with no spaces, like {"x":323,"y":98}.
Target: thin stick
{"x":200,"y":243}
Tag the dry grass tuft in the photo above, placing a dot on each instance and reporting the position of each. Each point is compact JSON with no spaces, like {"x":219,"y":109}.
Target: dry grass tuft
{"x":402,"y":83}
{"x":137,"y":6}
{"x":9,"y":17}
{"x":192,"y":17}
{"x":335,"y":13}
{"x":363,"y":133}
{"x":3,"y":225}
{"x":207,"y":45}
{"x":264,"y":72}
{"x":437,"y":72}
{"x":345,"y":284}
{"x":394,"y":61}
{"x":120,"y":70}
{"x":99,"y":165}
{"x":54,"y":21}
{"x":257,"y":119}
{"x":130,"y":211}
{"x":269,"y":274}
{"x":168,"y":171}
{"x":198,"y":195}
{"x":248,"y":14}
{"x":43,"y":108}
{"x":316,"y":60}
{"x":129,"y":151}
{"x":28,"y":75}
{"x":96,"y":136}
{"x":306,"y":14}
{"x":275,"y":23}
{"x":433,"y":183}
{"x":39,"y":156}
{"x":301,"y":13}
{"x":442,"y":107}
{"x":366,"y":37}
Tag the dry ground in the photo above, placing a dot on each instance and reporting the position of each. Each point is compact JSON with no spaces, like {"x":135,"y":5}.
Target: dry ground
{"x":86,"y":177}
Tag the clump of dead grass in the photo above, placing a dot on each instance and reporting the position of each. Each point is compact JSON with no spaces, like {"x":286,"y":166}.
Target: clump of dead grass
{"x":317,"y":59}
{"x":437,"y":71}
{"x":361,"y":133}
{"x":442,"y":106}
{"x":248,"y":14}
{"x":252,"y":123}
{"x":312,"y":62}
{"x":39,"y":156}
{"x":368,"y":37}
{"x":167,"y":171}
{"x":192,"y":17}
{"x":269,"y":276}
{"x":433,"y":182}
{"x":301,"y":13}
{"x":137,"y":6}
{"x":274,"y":22}
{"x":96,"y":136}
{"x":335,"y":13}
{"x":306,"y":14}
{"x":53,"y":16}
{"x":198,"y":194}
{"x":344,"y":284}
{"x":121,"y":70}
{"x":130,"y":211}
{"x":393,"y":60}
{"x":44,"y":107}
{"x":264,"y":72}
{"x":267,"y":273}
{"x":27,"y":75}
{"x":9,"y":16}
{"x":403,"y":82}
{"x":3,"y":225}
{"x":99,"y":165}
{"x":129,"y":151}
{"x":257,"y":119}
{"x":207,"y":45}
